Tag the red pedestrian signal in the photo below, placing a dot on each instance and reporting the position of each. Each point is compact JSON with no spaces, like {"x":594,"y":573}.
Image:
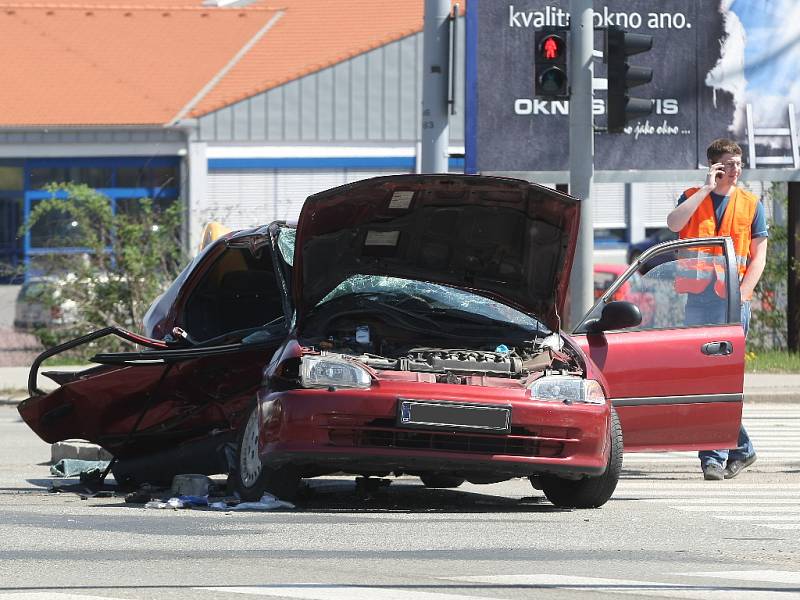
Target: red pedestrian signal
{"x":552,"y":47}
{"x":550,"y":69}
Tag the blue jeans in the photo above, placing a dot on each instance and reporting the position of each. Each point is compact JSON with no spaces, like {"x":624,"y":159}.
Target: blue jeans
{"x":709,"y":309}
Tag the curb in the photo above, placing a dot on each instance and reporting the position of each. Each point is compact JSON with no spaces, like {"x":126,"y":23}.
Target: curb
{"x":11,"y":401}
{"x":77,"y":449}
{"x":762,"y":397}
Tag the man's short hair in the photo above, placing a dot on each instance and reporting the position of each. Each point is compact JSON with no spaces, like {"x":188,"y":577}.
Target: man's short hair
{"x":722,"y":146}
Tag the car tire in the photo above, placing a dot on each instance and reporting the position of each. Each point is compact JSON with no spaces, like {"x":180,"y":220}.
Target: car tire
{"x":250,"y":479}
{"x":438,"y":480}
{"x":589,"y":492}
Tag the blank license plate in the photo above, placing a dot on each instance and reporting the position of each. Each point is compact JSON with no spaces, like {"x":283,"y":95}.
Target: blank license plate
{"x":421,"y":414}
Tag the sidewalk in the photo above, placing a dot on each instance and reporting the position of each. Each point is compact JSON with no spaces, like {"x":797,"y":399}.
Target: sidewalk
{"x":14,"y":381}
{"x":758,"y":387}
{"x":771,"y":387}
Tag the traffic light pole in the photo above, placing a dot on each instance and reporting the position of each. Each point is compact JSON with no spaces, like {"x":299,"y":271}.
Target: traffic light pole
{"x":435,"y":81}
{"x":581,"y":153}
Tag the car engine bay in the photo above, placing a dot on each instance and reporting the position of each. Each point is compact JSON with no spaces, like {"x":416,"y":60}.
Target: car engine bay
{"x":384,"y":347}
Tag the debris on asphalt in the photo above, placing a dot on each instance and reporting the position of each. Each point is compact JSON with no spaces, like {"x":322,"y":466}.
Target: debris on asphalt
{"x":191,"y":484}
{"x":72,"y":467}
{"x":267,"y":502}
{"x":144,"y":494}
{"x":100,"y":494}
{"x":174,"y":503}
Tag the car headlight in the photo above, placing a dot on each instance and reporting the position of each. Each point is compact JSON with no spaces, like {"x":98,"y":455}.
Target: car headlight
{"x":332,"y":371}
{"x":568,"y":389}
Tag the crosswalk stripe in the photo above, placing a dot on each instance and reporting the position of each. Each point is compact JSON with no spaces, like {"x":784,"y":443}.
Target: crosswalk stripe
{"x":51,"y":596}
{"x":685,"y":500}
{"x":576,"y":583}
{"x":763,"y":458}
{"x":314,"y":591}
{"x":700,"y":485}
{"x":788,"y":453}
{"x":757,"y":575}
{"x":759,"y":518}
{"x":714,"y":489}
{"x":724,"y":500}
{"x":784,"y":526}
{"x":751,"y":508}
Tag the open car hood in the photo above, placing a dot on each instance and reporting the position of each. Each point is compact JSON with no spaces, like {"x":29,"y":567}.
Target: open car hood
{"x":507,"y":239}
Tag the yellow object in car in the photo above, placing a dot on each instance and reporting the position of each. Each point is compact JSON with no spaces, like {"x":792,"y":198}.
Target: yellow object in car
{"x":211,"y":232}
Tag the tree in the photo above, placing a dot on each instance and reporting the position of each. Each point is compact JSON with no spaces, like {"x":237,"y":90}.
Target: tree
{"x":121,"y":258}
{"x":769,"y":322}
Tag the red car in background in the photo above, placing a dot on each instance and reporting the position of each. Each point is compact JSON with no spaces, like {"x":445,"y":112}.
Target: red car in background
{"x":633,"y":290}
{"x":410,"y":325}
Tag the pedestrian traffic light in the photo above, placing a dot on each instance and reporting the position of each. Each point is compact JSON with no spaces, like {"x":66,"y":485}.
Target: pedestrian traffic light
{"x":621,"y":107}
{"x":550,"y":66}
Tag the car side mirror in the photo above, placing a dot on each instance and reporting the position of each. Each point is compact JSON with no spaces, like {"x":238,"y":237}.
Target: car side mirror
{"x":618,"y":314}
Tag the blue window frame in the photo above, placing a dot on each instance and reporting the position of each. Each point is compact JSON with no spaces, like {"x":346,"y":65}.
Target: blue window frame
{"x":121,"y":179}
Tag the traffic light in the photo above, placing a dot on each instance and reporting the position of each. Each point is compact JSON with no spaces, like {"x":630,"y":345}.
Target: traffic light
{"x":621,"y":107}
{"x":550,"y":66}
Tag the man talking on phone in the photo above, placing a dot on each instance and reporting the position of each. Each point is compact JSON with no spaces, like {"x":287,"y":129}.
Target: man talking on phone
{"x":720,"y":208}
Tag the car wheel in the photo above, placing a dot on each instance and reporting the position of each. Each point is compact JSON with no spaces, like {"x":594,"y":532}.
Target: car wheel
{"x":437,"y":480}
{"x":251,"y":479}
{"x":589,"y":492}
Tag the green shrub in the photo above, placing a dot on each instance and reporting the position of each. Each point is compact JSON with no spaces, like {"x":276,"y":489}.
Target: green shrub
{"x":768,"y":325}
{"x":128,"y":258}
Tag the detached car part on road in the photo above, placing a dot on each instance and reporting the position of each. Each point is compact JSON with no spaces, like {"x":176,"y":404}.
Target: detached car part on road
{"x":410,"y":325}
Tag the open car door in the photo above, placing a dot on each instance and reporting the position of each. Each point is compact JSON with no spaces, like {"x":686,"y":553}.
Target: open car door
{"x":182,"y":397}
{"x":675,"y":386}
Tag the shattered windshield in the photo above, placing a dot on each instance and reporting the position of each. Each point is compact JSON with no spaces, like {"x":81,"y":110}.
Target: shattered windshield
{"x":433,"y":297}
{"x":286,"y":238}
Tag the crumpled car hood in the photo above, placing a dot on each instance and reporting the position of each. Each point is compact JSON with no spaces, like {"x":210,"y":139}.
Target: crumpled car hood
{"x":507,"y":239}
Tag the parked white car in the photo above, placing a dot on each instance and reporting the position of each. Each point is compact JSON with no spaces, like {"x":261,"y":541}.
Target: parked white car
{"x":32,"y":311}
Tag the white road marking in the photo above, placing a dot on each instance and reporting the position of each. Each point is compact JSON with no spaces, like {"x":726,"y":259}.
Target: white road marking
{"x":51,"y":596}
{"x":316,"y":591}
{"x":792,"y":577}
{"x":773,"y":506}
{"x":751,"y":508}
{"x":624,"y":586}
{"x":715,"y":488}
{"x":725,"y":500}
{"x":763,"y":456}
{"x":774,"y":429}
{"x":700,"y":486}
{"x":759,"y":518}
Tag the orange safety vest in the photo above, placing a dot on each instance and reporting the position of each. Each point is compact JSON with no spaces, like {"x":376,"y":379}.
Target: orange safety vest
{"x":697,"y":267}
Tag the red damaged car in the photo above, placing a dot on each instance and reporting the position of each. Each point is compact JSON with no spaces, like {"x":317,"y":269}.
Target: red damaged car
{"x":421,"y":336}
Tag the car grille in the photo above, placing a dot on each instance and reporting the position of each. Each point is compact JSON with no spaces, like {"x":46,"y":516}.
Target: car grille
{"x":521,"y":442}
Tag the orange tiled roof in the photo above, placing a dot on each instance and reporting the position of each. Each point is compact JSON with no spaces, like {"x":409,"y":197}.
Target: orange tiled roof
{"x":147,"y":62}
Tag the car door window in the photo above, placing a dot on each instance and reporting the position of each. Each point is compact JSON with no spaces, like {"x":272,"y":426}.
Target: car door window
{"x":686,"y":284}
{"x":240,"y":291}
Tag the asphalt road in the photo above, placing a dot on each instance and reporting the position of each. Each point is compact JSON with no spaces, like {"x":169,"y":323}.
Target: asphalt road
{"x":666,"y":533}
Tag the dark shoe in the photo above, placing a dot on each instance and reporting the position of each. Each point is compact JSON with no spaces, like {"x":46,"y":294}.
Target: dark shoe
{"x":737,"y":466}
{"x":713,"y":472}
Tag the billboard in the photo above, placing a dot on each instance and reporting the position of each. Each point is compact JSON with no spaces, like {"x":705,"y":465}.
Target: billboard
{"x":710,"y":60}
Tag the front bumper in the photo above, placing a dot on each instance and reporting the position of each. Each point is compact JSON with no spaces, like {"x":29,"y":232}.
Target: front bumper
{"x":356,"y":431}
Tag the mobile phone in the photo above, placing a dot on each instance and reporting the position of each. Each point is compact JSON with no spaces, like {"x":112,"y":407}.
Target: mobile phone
{"x":719,"y":176}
